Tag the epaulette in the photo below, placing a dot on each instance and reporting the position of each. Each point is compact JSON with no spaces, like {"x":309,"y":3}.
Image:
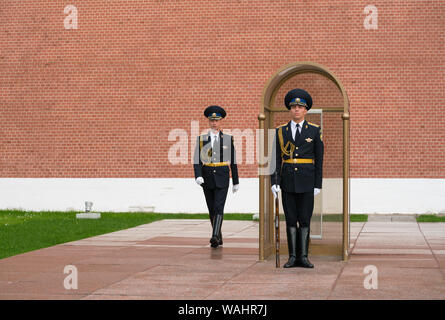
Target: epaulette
{"x":282,"y":125}
{"x":313,"y":124}
{"x":203,"y":137}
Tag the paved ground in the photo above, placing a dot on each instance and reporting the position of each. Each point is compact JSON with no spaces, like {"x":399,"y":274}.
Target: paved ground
{"x":171,"y":259}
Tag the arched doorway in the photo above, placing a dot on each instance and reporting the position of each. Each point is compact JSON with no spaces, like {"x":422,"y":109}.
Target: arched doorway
{"x":338,"y":244}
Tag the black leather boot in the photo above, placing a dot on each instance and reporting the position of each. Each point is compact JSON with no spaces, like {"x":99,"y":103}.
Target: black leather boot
{"x":212,"y":218}
{"x":217,"y":222}
{"x":220,"y":234}
{"x":292,"y":234}
{"x":220,"y":242}
{"x":303,"y":239}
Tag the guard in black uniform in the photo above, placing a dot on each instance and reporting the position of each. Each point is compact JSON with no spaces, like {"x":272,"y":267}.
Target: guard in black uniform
{"x":214,"y":155}
{"x":299,"y":164}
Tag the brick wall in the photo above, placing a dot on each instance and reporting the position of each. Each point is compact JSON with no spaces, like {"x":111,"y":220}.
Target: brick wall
{"x":100,"y":100}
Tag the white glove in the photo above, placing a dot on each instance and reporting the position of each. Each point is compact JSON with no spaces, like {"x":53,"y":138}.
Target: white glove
{"x":235,"y":188}
{"x":316,"y":191}
{"x":199,"y":180}
{"x":275,"y":189}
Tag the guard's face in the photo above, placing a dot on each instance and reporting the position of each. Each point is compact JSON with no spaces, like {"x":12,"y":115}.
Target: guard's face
{"x":214,"y":124}
{"x":298,"y":113}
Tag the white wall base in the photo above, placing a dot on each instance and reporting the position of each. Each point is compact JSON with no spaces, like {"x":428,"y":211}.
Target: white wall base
{"x":381,"y":196}
{"x":120,"y":195}
{"x":386,"y":196}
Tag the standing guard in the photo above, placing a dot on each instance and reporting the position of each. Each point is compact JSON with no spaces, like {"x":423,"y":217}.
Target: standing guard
{"x":299,"y":163}
{"x":214,"y":155}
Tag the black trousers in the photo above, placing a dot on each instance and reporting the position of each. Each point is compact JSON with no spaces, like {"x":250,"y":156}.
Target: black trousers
{"x":215,"y":199}
{"x":298,"y":207}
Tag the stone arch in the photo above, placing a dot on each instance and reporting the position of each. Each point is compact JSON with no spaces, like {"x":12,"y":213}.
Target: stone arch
{"x":266,"y":230}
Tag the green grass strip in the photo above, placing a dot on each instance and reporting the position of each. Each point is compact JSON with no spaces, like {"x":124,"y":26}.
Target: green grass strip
{"x":430,"y":218}
{"x":22,"y":231}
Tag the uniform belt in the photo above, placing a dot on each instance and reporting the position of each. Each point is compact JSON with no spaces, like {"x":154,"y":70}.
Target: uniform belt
{"x":298,"y":160}
{"x":216,"y":164}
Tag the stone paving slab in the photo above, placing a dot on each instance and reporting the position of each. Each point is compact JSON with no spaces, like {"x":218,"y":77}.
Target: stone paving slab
{"x":391,"y":218}
{"x":172,"y":259}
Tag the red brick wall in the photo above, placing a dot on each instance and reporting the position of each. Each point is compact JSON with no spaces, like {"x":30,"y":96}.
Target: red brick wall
{"x":100,"y":101}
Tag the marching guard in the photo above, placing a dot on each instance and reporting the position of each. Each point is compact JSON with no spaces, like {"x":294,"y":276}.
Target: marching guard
{"x":299,"y":151}
{"x":214,"y":157}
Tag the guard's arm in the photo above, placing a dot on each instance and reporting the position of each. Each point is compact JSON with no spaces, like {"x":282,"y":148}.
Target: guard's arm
{"x":318,"y":151}
{"x":233,"y":165}
{"x":197,"y":164}
{"x":276,"y":161}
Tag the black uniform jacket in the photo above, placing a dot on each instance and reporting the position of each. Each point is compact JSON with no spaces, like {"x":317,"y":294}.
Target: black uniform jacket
{"x":222,"y":151}
{"x":298,"y":177}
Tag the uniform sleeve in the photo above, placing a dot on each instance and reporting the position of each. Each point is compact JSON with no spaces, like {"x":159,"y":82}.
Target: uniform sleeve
{"x":275,"y":177}
{"x":233,"y":165}
{"x":197,"y":164}
{"x":318,"y":151}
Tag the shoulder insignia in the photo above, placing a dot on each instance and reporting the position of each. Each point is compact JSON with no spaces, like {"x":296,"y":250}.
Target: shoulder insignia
{"x":282,"y":125}
{"x":313,"y":124}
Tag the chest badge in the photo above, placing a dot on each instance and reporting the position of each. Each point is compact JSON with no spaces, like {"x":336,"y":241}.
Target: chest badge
{"x":308,"y":140}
